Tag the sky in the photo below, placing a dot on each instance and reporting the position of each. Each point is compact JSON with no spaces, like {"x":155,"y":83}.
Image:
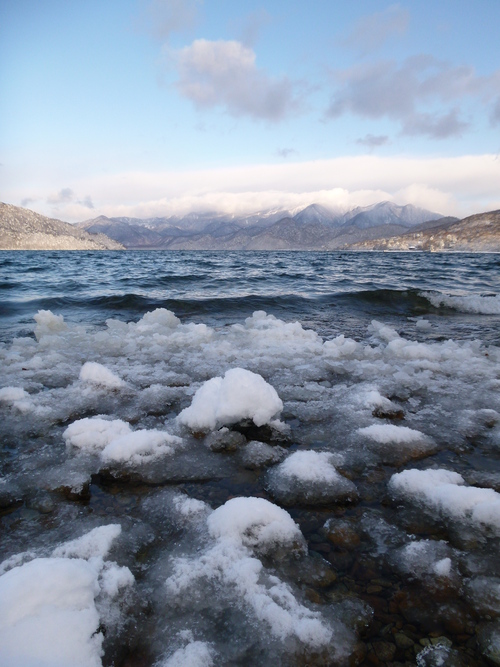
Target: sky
{"x":148,"y":108}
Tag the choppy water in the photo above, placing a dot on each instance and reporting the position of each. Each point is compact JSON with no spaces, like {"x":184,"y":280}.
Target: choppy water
{"x":331,"y":292}
{"x":355,"y":345}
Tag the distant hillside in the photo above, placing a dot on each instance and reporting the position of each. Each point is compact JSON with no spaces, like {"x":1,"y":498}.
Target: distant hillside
{"x":313,"y":228}
{"x":22,"y":229}
{"x":477,"y":233}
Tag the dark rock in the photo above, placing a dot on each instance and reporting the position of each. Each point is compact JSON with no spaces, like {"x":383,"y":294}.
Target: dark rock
{"x":225,"y":440}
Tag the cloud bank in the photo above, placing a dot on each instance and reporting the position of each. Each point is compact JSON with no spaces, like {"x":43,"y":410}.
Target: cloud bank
{"x":386,"y":89}
{"x":451,"y":186}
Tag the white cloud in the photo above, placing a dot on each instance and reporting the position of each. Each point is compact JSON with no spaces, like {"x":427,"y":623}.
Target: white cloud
{"x":163,"y":17}
{"x":373,"y":30}
{"x":451,"y":186}
{"x":404,"y":92}
{"x":224,"y":73}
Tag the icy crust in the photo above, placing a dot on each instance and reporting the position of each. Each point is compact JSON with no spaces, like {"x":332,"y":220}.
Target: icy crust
{"x":485,"y":305}
{"x":239,"y":531}
{"x":50,"y":607}
{"x":309,"y":477}
{"x":239,"y":395}
{"x":115,"y":441}
{"x":443,"y":492}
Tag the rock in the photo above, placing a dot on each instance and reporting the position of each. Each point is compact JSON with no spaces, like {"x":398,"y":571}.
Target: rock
{"x":403,"y":641}
{"x":260,"y":455}
{"x":388,"y":413}
{"x":341,"y":534}
{"x":225,"y":440}
{"x":488,"y":640}
{"x":384,"y":651}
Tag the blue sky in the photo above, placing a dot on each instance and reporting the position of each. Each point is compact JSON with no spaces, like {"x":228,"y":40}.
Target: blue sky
{"x":160,"y":107}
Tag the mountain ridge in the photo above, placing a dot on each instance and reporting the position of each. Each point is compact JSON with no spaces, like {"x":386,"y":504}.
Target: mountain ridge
{"x":23,"y":229}
{"x":314,"y":227}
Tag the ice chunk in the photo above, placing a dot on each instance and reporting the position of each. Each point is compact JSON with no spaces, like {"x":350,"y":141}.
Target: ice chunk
{"x":195,"y":654}
{"x":97,"y":374}
{"x":423,"y":325}
{"x":309,"y":477}
{"x":239,"y":395}
{"x":140,"y":447}
{"x":47,"y":323}
{"x":17,"y":397}
{"x":12,"y":394}
{"x":92,"y":434}
{"x":443,"y":491}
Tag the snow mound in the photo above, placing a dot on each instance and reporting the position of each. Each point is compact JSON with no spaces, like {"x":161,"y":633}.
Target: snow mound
{"x":49,"y":614}
{"x":140,"y":447}
{"x":114,"y":441}
{"x":444,"y":492}
{"x":254,"y":523}
{"x":397,"y":444}
{"x":98,"y":375}
{"x":389,"y":433}
{"x":239,"y":395}
{"x":93,"y":434}
{"x":309,"y":477}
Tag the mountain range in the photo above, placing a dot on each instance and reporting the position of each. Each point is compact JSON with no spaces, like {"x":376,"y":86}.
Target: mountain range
{"x":312,"y":228}
{"x":382,"y":226}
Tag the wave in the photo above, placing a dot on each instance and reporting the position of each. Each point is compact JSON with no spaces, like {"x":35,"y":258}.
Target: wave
{"x":474,"y":303}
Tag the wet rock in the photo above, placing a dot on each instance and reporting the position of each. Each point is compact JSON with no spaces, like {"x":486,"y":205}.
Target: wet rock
{"x":75,"y":493}
{"x":384,"y":651}
{"x":42,"y":503}
{"x":403,"y":641}
{"x":313,"y":571}
{"x":224,"y":440}
{"x":440,"y":656}
{"x":341,"y":534}
{"x":260,"y":455}
{"x":488,"y":640}
{"x":265,"y":433}
{"x":10,"y":495}
{"x":388,"y":413}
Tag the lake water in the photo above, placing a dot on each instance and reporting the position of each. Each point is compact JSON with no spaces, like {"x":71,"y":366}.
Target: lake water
{"x":378,"y":375}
